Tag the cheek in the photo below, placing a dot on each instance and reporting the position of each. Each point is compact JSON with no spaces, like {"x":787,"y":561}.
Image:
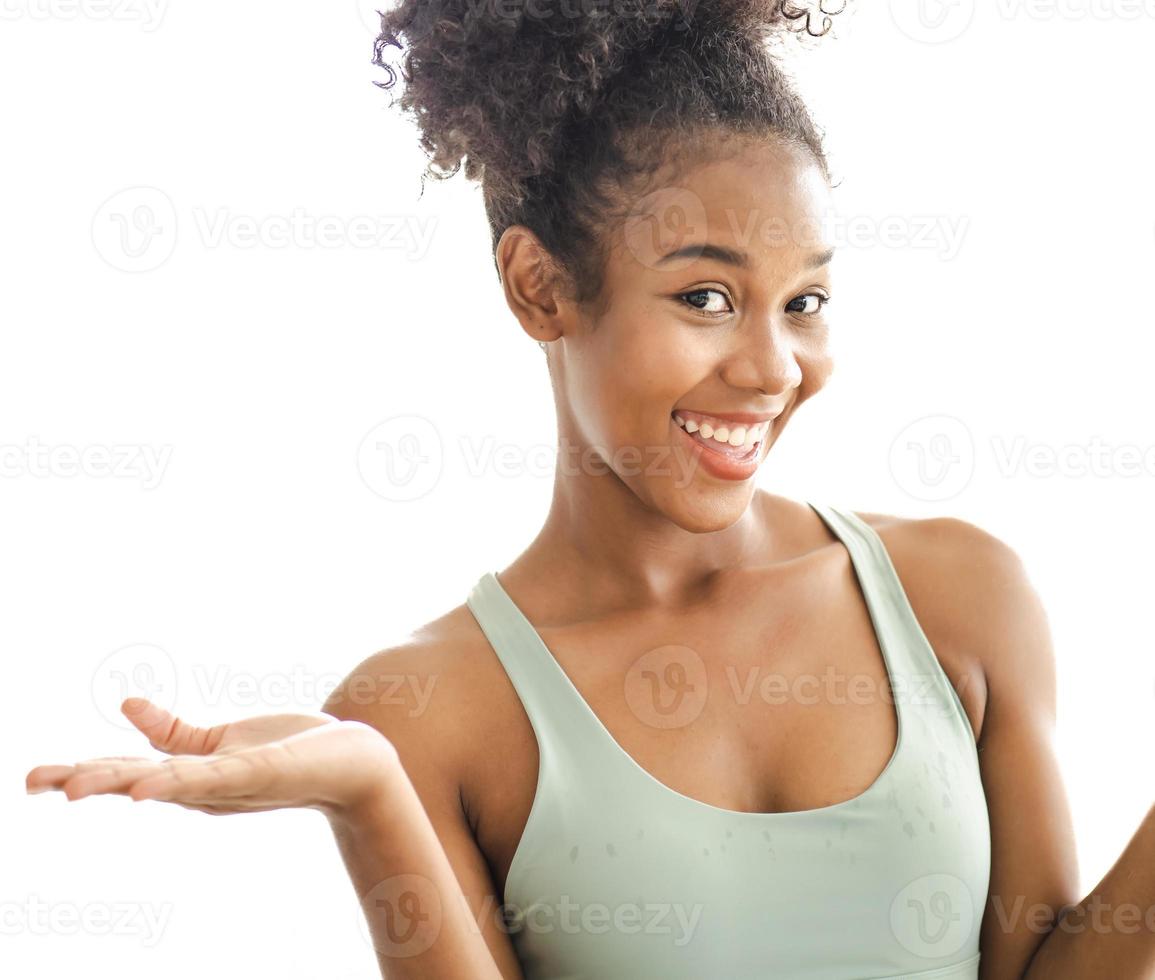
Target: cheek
{"x":656,"y":374}
{"x":659,"y":355}
{"x":632,"y":376}
{"x":817,"y":364}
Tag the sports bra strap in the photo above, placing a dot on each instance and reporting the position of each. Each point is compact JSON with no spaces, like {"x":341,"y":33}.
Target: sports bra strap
{"x":910,"y":657}
{"x":562,"y":720}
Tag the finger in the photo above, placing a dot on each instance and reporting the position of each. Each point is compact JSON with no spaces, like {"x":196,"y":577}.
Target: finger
{"x":45,"y":778}
{"x":167,"y":732}
{"x":111,"y":778}
{"x":192,"y":780}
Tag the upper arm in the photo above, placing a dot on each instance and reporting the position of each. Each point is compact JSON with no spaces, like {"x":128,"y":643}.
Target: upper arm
{"x":998,"y":615}
{"x":407,"y":694}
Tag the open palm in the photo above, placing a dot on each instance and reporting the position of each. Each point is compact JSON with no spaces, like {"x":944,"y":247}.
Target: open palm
{"x":262,"y":763}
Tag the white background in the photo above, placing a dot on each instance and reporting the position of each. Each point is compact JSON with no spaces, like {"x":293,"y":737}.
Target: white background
{"x":261,"y":550}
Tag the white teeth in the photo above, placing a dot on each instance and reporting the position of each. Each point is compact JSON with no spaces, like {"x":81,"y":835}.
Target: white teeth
{"x":738,"y":436}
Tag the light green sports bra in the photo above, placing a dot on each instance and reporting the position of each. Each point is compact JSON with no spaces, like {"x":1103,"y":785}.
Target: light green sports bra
{"x":617,"y":876}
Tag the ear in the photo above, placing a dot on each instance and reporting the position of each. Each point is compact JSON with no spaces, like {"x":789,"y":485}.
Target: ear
{"x":531,"y":282}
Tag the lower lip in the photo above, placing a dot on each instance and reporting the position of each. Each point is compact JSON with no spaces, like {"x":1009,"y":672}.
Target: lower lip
{"x":719,"y":465}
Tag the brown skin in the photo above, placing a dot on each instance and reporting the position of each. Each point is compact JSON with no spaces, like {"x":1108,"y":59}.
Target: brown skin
{"x":471,"y":753}
{"x":623,"y":564}
{"x":755,"y":347}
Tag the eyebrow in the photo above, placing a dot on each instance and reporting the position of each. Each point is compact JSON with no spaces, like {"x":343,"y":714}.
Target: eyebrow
{"x":735,"y":257}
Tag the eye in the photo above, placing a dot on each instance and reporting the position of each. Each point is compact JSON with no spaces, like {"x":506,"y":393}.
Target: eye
{"x":700,"y":293}
{"x":820,"y":300}
{"x":812,"y":303}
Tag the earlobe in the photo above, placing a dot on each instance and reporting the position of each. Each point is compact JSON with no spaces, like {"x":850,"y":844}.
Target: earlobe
{"x":527,"y":278}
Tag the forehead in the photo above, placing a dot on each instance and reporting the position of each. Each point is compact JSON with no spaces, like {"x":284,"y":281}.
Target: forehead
{"x":768,"y":200}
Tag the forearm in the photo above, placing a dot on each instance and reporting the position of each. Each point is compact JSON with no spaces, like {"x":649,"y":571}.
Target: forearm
{"x":1111,"y":933}
{"x":417,"y":914}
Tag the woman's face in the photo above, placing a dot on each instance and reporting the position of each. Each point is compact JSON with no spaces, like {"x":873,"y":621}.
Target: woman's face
{"x":736,"y":329}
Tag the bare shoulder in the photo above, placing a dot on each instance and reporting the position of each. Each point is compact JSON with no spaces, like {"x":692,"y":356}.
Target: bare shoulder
{"x":949,"y":535}
{"x":974,"y":599}
{"x":423,"y":693}
{"x":955,"y":565}
{"x":931,"y":548}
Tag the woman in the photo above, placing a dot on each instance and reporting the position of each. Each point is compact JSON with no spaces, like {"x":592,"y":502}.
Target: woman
{"x":695,"y":729}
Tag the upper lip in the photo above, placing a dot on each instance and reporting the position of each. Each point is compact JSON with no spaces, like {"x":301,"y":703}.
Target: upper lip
{"x":745,"y":418}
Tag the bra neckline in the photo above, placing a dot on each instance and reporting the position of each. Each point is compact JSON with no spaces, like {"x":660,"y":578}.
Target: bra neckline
{"x":768,"y":816}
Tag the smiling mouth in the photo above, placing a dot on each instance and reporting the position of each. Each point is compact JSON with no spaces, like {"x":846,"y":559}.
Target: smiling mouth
{"x":734,"y":454}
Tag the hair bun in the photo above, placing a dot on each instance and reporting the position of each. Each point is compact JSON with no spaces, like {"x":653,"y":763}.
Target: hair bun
{"x":477,"y":69}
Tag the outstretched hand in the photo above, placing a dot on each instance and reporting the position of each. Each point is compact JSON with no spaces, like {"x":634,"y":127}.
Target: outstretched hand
{"x":266,"y":762}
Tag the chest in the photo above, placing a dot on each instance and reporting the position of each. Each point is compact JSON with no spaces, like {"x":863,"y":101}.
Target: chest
{"x":743,"y":702}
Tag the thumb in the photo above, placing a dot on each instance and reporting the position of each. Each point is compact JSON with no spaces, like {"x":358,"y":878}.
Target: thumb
{"x":167,"y":732}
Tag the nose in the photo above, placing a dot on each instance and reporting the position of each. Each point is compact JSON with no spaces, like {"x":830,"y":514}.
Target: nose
{"x":767,"y":361}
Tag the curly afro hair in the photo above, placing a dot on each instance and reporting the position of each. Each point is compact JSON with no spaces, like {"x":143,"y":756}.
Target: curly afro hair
{"x":555,"y":105}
